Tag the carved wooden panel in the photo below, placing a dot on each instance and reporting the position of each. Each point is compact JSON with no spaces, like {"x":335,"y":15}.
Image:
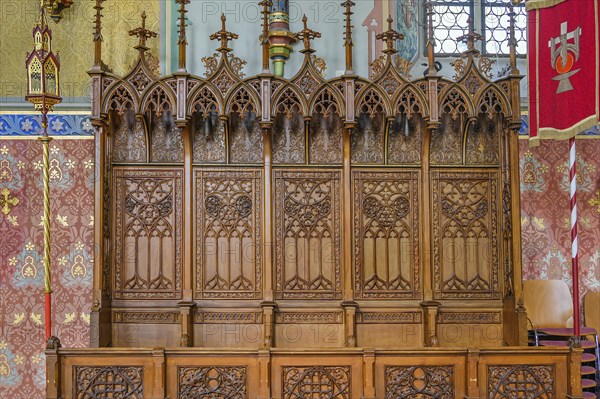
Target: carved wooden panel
{"x":367,"y":141}
{"x":148,"y":247}
{"x":323,"y":382}
{"x":166,"y":139}
{"x":209,"y":138}
{"x":228,"y":233}
{"x":404,"y":140}
{"x":307,"y":241}
{"x":386,"y":234}
{"x":129,"y":143}
{"x":465,"y":234}
{"x":426,"y":382}
{"x":325,"y":139}
{"x":483,"y":141}
{"x":446,"y":142}
{"x":289,"y":139}
{"x":211,"y":382}
{"x":108,"y":382}
{"x":521,"y":381}
{"x":245,"y":139}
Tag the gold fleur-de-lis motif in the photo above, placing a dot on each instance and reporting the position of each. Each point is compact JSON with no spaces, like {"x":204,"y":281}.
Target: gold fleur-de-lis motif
{"x":6,"y":201}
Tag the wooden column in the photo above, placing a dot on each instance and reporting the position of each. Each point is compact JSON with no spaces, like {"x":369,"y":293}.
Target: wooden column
{"x":187,"y":305}
{"x":100,"y":317}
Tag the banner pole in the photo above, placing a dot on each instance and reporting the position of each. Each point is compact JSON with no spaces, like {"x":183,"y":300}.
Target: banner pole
{"x":574,"y":243}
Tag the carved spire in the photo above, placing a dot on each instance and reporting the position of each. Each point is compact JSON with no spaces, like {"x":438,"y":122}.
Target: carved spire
{"x":306,"y":35}
{"x":98,"y":33}
{"x":390,"y":37}
{"x":224,"y":36}
{"x":182,"y":42}
{"x":264,"y":38}
{"x":470,"y":38}
{"x":513,"y":39}
{"x":348,"y":4}
{"x":430,"y":45}
{"x":142,"y":34}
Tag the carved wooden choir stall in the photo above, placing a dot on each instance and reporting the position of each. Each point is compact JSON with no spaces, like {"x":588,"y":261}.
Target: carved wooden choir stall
{"x":308,"y":237}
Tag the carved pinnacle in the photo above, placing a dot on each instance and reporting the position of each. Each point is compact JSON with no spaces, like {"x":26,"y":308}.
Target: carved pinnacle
{"x":390,"y":37}
{"x":224,"y":36}
{"x":306,"y":35}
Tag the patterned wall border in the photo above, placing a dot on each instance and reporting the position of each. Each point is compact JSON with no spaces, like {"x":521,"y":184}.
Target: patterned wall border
{"x":29,"y":125}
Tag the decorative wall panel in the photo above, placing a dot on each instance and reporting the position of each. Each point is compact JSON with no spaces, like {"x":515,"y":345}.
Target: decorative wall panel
{"x":166,"y":140}
{"x":307,"y":241}
{"x":446,"y":142}
{"x":107,"y":382}
{"x":368,"y":139}
{"x":465,"y":234}
{"x":323,"y":382}
{"x":228,"y":233}
{"x":211,"y":382}
{"x":245,"y":139}
{"x":386,"y":234}
{"x":522,"y":381}
{"x":424,"y":382}
{"x":404,"y":141}
{"x":209,"y":138}
{"x":148,"y":247}
{"x":289,"y":139}
{"x":483,"y":144}
{"x":325,"y":140}
{"x":129,"y":144}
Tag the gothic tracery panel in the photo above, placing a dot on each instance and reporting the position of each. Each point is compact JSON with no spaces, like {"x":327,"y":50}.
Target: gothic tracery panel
{"x":465,"y":235}
{"x":325,"y":139}
{"x":129,"y":143}
{"x":289,"y":139}
{"x":228,"y":236}
{"x":307,"y":242}
{"x":404,"y":140}
{"x":211,"y":382}
{"x":148,"y":248}
{"x":245,"y":139}
{"x":367,"y":140}
{"x":386,"y":234}
{"x":166,"y":139}
{"x":107,"y":382}
{"x":446,"y":141}
{"x":424,"y":382}
{"x":483,"y":141}
{"x":521,"y":381}
{"x":209,"y":138}
{"x":323,"y":382}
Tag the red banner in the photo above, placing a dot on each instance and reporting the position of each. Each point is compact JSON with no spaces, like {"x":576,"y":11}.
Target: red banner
{"x":564,"y":67}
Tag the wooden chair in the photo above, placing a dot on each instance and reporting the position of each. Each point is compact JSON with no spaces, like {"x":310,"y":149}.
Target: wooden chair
{"x":549,"y":303}
{"x":591,"y":310}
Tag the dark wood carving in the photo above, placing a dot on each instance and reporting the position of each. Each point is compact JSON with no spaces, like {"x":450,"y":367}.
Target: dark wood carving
{"x":211,"y":382}
{"x":289,"y":140}
{"x":521,"y":381}
{"x":425,"y":382}
{"x":148,"y":244}
{"x":386,"y":234}
{"x":307,"y":242}
{"x":228,"y":235}
{"x":209,"y":138}
{"x":323,"y":382}
{"x":108,"y":382}
{"x":465,"y":234}
{"x":129,"y":143}
{"x":166,"y":139}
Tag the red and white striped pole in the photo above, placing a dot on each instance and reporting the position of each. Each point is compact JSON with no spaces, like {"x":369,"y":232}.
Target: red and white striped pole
{"x":574,"y":244}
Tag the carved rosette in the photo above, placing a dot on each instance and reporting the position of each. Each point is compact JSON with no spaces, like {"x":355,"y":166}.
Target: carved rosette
{"x":431,"y":382}
{"x":327,"y":382}
{"x":521,"y":381}
{"x":212,"y":382}
{"x":106,"y":382}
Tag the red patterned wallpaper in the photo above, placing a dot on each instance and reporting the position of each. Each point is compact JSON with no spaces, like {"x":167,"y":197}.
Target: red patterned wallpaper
{"x":545,"y":212}
{"x":546,"y":242}
{"x":22,"y":373}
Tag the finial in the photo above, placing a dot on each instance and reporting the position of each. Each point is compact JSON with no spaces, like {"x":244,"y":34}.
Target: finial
{"x":143,"y":34}
{"x":98,"y":33}
{"x":224,"y":36}
{"x":182,"y":42}
{"x":471,"y":37}
{"x":389,"y":37}
{"x":430,"y":45}
{"x":512,"y":40}
{"x":264,"y":39}
{"x":306,"y":35}
{"x":348,"y":4}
